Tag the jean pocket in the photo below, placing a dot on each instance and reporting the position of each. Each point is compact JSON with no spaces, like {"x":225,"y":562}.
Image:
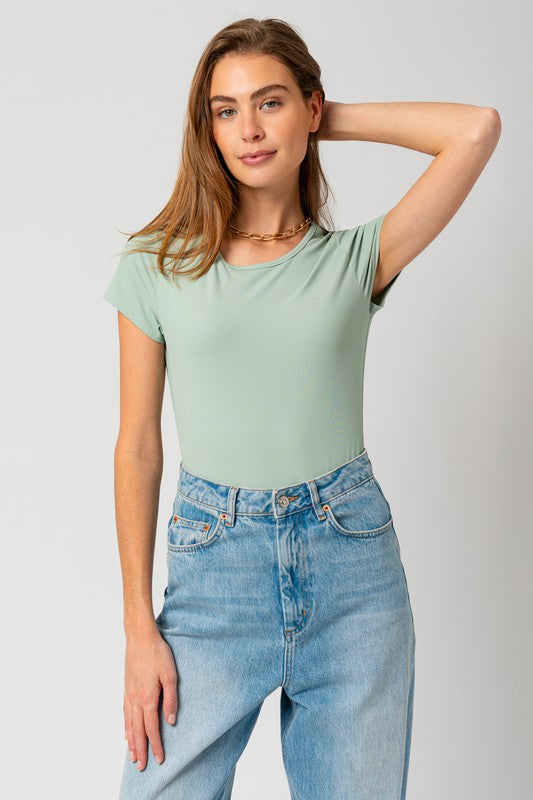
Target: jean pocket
{"x":361,"y":512}
{"x":193,"y":526}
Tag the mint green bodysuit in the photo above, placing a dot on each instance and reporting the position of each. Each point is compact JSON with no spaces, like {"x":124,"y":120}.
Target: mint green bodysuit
{"x":265,"y":362}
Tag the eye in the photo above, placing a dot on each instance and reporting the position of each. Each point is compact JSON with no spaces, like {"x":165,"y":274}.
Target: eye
{"x":220,"y":113}
{"x":273,"y":101}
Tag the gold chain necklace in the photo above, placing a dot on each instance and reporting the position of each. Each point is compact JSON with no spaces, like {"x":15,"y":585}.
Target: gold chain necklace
{"x":265,"y":236}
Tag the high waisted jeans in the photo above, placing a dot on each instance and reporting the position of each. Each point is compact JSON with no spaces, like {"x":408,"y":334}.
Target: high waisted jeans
{"x":302,"y":588}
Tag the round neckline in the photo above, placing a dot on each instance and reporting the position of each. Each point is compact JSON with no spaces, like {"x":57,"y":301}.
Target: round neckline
{"x":275,"y":261}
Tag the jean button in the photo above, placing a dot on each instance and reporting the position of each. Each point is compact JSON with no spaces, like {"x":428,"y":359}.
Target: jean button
{"x":283,"y":501}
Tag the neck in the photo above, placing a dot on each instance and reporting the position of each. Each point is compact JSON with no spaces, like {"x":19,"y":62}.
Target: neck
{"x":265,"y":226}
{"x":268,"y":211}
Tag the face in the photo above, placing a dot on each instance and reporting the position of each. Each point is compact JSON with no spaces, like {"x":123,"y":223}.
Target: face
{"x":274,"y":119}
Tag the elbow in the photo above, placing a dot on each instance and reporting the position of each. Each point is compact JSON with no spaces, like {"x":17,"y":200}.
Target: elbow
{"x":489,"y":126}
{"x":146,"y":450}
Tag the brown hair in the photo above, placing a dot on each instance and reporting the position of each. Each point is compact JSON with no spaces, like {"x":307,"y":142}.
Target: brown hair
{"x":205,"y":195}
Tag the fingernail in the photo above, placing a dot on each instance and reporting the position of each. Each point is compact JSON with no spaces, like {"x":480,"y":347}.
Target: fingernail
{"x":159,"y":760}
{"x":171,"y":719}
{"x":132,"y":755}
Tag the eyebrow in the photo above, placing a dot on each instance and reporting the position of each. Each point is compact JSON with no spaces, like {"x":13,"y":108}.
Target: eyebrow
{"x":272,"y":87}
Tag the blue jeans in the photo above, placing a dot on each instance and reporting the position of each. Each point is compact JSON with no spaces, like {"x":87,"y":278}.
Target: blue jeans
{"x":302,"y":588}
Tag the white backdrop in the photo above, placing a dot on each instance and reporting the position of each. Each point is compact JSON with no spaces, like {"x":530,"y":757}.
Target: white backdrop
{"x":93,"y":102}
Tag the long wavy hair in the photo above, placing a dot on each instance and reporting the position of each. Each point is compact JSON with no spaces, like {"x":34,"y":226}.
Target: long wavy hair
{"x":205,"y":196}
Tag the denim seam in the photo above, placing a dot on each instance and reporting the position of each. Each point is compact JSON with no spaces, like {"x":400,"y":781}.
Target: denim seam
{"x":372,"y":533}
{"x":194,"y":501}
{"x":322,"y":500}
{"x":218,"y":526}
{"x":349,"y":489}
{"x":304,"y":622}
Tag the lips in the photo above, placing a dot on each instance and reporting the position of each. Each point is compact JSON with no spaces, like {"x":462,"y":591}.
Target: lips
{"x":258,"y":153}
{"x":257,"y":160}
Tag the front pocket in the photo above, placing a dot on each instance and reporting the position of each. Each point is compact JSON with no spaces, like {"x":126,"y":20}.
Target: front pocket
{"x":193,"y":526}
{"x":360,"y":512}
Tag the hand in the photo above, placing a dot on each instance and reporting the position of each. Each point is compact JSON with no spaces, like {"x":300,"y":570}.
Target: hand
{"x":149,"y":667}
{"x":324,"y":129}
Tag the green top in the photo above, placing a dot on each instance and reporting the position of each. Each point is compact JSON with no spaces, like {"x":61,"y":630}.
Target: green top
{"x":265,"y":362}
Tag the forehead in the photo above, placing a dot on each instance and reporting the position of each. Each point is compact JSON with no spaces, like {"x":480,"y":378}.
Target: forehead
{"x":240,"y":75}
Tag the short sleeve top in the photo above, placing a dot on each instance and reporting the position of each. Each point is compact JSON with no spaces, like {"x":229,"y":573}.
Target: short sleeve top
{"x":265,"y":362}
{"x":133,"y":290}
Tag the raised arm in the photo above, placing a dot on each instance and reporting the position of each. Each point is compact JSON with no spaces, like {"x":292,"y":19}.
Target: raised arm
{"x":461,"y":138}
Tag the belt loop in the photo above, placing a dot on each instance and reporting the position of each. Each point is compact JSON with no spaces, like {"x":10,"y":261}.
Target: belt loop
{"x":230,"y":512}
{"x":317,"y":504}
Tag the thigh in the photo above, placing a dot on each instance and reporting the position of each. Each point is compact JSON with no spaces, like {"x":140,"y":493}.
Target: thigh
{"x":215,"y":618}
{"x":200,"y":757}
{"x":346,"y":709}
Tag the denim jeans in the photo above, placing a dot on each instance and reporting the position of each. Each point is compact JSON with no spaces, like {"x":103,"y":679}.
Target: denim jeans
{"x":302,"y":588}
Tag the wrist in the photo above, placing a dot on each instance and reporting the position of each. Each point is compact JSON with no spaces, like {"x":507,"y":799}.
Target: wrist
{"x":140,"y":625}
{"x":330,"y":110}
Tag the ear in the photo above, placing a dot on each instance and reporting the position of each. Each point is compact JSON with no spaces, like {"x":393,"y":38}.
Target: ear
{"x":316,"y":106}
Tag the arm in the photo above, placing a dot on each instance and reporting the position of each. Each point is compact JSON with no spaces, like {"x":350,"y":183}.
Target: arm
{"x":138,"y":469}
{"x":138,"y":463}
{"x":460,"y":137}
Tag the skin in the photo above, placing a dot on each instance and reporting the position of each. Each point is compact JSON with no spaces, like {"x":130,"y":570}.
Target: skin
{"x":279,"y":120}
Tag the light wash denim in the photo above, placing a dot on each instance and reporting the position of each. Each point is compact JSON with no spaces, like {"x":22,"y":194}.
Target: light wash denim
{"x":302,"y":588}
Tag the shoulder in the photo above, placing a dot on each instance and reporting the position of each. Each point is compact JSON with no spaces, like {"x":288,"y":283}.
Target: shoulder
{"x":361,"y":238}
{"x":138,"y":258}
{"x":141,"y":246}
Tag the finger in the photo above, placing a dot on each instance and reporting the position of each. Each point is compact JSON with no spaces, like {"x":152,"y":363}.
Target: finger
{"x":170,"y":698}
{"x":128,"y":725}
{"x":151,"y":724}
{"x":140,"y":736}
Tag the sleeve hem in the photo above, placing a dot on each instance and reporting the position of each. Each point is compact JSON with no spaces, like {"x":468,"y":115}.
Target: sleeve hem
{"x":379,"y":302}
{"x":156,"y":336}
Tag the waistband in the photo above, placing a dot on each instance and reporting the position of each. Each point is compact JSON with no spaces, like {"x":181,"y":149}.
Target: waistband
{"x":232,"y":500}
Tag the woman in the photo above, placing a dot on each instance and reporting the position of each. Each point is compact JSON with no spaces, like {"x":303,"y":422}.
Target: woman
{"x":284,"y":567}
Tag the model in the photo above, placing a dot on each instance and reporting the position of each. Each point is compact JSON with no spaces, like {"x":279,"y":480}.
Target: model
{"x":284,"y":566}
